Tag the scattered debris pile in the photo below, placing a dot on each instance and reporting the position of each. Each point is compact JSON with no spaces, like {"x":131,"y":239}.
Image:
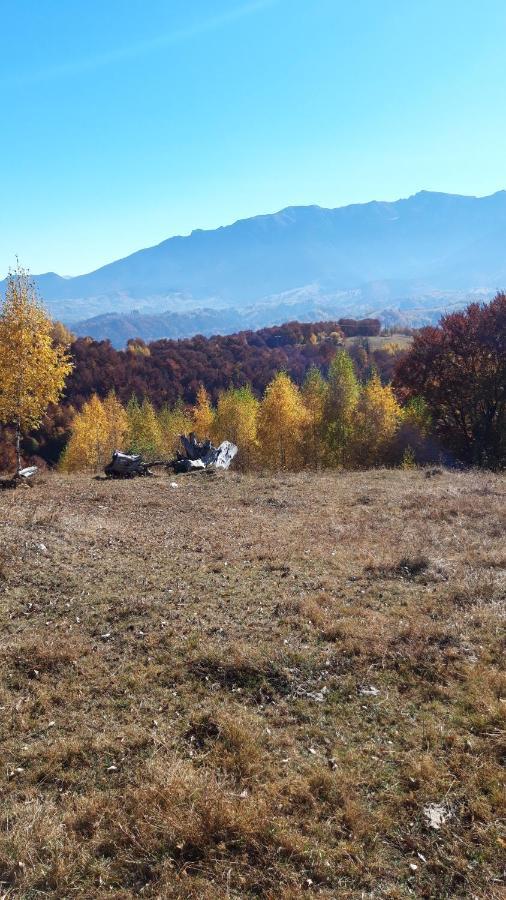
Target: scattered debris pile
{"x":199,"y":455}
{"x":22,"y":476}
{"x":123,"y":465}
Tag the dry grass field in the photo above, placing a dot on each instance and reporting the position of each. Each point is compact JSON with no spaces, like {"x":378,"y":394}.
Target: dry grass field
{"x":253,"y":686}
{"x":379,"y":341}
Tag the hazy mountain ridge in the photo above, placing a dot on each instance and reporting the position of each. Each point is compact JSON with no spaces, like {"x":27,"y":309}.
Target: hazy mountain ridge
{"x":120,"y":327}
{"x":430,"y":250}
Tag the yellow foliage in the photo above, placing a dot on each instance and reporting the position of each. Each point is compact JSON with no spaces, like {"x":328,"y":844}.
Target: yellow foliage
{"x":416,"y":416}
{"x":144,"y":431}
{"x":378,"y":416}
{"x":117,"y":423}
{"x":61,"y":335}
{"x":202,"y":415}
{"x":173,"y":423}
{"x":138,"y":347}
{"x":90,"y":446}
{"x":281,"y":424}
{"x":408,"y":459}
{"x":236,"y":420}
{"x":393,"y":348}
{"x":314,"y":395}
{"x":33,"y":368}
{"x":340,"y":404}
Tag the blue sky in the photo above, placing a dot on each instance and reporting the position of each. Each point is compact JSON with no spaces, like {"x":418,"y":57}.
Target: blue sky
{"x":126,"y":121}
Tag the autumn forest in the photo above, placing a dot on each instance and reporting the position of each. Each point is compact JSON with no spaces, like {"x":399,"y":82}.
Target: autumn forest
{"x":326,"y":394}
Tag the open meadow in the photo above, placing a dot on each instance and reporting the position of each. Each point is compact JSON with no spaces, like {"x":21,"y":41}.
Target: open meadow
{"x":274,"y":686}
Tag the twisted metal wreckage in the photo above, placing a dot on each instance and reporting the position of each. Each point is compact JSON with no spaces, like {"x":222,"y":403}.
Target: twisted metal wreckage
{"x":198,"y":456}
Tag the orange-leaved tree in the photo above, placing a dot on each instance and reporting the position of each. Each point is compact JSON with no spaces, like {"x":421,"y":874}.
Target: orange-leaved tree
{"x":459,"y":368}
{"x":33,"y":367}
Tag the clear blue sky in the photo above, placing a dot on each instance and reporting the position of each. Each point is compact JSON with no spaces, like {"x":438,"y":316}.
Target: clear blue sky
{"x":127,"y":121}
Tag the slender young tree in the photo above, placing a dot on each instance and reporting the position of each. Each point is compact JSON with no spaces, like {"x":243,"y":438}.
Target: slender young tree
{"x":145,"y":434}
{"x":414,"y":438}
{"x":281,"y":424}
{"x":341,"y":401}
{"x":117,"y":423}
{"x":33,"y":367}
{"x":314,"y":395}
{"x":237,"y":421}
{"x":203,"y":414}
{"x":87,"y":449}
{"x":173,"y":423}
{"x":378,"y":416}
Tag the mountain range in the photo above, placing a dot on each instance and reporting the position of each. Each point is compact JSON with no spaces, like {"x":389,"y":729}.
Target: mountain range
{"x":405,"y":261}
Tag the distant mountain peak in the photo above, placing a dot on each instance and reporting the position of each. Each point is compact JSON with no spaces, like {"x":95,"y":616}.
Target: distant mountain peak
{"x":431,"y":243}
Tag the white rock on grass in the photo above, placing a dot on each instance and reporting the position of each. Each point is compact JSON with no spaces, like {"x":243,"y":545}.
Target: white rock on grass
{"x":436,"y":814}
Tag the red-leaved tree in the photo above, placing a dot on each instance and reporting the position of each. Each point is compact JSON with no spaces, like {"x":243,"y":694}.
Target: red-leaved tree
{"x":459,"y":368}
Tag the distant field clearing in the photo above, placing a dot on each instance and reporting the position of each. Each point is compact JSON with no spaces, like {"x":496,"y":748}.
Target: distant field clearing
{"x":380,"y":341}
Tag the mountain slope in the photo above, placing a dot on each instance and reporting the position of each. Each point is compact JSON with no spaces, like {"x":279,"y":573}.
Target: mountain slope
{"x":430,"y":242}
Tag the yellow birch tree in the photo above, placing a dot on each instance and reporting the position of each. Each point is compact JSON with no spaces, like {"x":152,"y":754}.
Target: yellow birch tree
{"x":236,"y":420}
{"x":174,"y":422}
{"x":378,"y":416}
{"x":89,"y":446}
{"x":117,"y":423}
{"x":281,"y":424}
{"x":314,"y":395}
{"x":340,"y":403}
{"x":144,"y":432}
{"x":33,"y":368}
{"x":203,"y":415}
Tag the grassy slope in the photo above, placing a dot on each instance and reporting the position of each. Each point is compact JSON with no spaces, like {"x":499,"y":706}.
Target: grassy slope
{"x":183,"y":676}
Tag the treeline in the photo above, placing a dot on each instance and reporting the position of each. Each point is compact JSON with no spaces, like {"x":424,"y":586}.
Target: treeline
{"x":171,"y":371}
{"x":447,"y":401}
{"x":292,"y":396}
{"x":333,"y":421}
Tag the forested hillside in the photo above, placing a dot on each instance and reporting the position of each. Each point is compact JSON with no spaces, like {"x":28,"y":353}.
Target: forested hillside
{"x":299,"y":395}
{"x":166,"y":372}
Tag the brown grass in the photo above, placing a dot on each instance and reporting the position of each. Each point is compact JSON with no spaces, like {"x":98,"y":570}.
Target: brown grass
{"x":253,"y":686}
